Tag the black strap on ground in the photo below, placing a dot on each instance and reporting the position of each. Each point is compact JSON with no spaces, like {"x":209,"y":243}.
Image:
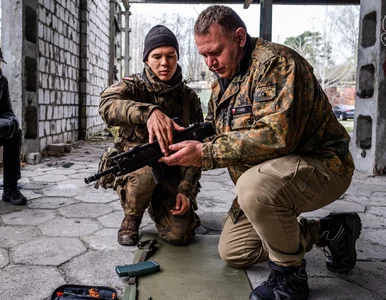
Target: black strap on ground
{"x":145,"y":250}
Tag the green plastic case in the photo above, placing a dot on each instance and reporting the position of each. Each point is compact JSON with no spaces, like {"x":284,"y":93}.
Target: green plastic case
{"x":139,"y":269}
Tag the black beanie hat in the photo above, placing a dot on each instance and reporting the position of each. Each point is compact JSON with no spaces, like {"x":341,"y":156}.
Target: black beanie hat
{"x":159,"y":36}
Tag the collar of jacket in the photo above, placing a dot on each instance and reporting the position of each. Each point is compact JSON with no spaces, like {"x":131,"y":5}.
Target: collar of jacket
{"x":158,"y":87}
{"x":243,"y":66}
{"x":234,"y":85}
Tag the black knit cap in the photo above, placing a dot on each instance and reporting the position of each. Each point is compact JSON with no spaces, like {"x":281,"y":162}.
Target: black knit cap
{"x":159,"y":36}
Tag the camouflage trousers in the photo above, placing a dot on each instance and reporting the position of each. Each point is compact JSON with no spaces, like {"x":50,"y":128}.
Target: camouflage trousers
{"x":138,"y":191}
{"x":272,"y":196}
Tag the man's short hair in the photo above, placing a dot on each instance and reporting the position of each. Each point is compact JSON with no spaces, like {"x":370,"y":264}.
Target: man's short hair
{"x":222,"y":15}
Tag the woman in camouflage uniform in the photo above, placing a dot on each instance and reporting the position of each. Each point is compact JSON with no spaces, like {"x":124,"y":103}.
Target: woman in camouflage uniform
{"x":284,"y":149}
{"x":143,"y":107}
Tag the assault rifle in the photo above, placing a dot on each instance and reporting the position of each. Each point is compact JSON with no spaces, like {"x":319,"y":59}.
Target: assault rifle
{"x":149,"y":154}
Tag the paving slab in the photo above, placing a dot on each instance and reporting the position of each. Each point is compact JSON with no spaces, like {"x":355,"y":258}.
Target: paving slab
{"x":98,"y":268}
{"x":104,"y":239}
{"x":47,"y":251}
{"x":29,"y":282}
{"x":28,"y":217}
{"x":49,"y":178}
{"x":12,"y":236}
{"x":61,"y":226}
{"x":51,"y":202}
{"x":3,"y":258}
{"x":85,"y":210}
{"x":94,"y":196}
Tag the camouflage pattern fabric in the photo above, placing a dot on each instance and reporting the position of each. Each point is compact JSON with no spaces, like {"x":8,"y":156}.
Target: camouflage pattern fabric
{"x":276,"y":108}
{"x":139,"y":191}
{"x":128,"y":104}
{"x":104,"y":163}
{"x":177,"y":230}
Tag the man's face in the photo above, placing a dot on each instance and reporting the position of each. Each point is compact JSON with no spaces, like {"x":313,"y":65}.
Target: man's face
{"x":163,"y":62}
{"x":222,"y":52}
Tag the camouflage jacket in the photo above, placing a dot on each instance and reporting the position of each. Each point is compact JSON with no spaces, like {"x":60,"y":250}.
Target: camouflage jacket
{"x":128,"y":104}
{"x":276,"y":108}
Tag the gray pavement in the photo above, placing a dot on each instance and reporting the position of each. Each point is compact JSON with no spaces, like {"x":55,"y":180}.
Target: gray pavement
{"x":67,"y":232}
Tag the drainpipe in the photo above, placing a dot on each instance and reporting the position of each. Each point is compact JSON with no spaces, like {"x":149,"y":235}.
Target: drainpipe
{"x":112,"y":8}
{"x":127,"y":30}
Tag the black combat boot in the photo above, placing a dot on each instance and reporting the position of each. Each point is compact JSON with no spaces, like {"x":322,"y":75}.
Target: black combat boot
{"x":13,"y":195}
{"x":284,"y":283}
{"x":339,"y":232}
{"x":128,"y":233}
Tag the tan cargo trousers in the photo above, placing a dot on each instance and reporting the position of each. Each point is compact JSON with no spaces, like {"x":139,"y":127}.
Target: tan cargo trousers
{"x":272,"y":195}
{"x":138,"y":190}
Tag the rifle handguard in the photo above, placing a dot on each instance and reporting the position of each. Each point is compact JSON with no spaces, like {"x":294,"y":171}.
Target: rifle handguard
{"x":149,"y":154}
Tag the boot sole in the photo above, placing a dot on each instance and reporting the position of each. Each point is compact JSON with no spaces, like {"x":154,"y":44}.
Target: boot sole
{"x":127,"y":241}
{"x":354,"y":224}
{"x":23,"y":201}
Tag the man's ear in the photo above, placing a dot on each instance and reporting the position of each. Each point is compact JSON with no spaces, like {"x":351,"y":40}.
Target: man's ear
{"x":241,"y":36}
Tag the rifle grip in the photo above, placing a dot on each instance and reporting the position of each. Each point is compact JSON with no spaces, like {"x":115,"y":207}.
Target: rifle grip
{"x":158,"y":173}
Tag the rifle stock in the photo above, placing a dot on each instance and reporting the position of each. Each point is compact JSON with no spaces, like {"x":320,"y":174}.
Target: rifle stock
{"x":149,"y":154}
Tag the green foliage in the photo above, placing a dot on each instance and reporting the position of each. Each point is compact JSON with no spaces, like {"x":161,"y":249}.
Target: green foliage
{"x":307,"y":44}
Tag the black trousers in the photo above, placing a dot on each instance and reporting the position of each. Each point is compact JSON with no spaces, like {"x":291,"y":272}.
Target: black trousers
{"x":11,"y":158}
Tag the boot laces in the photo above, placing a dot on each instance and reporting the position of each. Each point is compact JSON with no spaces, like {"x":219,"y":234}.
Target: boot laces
{"x":326,"y":252}
{"x":272,"y":280}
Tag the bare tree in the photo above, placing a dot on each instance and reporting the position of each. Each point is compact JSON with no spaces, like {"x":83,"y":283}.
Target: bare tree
{"x":346,"y":19}
{"x":337,"y":61}
{"x":191,"y":62}
{"x":332,"y":49}
{"x":139,"y":28}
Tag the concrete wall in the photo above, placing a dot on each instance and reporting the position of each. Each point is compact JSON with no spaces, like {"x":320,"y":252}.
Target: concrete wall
{"x":369,"y":139}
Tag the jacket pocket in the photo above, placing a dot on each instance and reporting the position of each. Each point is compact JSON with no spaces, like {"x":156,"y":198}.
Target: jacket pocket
{"x":264,"y":101}
{"x":303,"y":177}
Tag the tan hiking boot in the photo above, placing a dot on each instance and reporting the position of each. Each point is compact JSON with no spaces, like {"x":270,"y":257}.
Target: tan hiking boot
{"x":128,"y":233}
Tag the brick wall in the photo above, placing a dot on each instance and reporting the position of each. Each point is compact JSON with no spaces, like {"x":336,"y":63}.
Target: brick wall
{"x":58,"y":71}
{"x":60,"y":64}
{"x":344,"y":94}
{"x":98,"y":62}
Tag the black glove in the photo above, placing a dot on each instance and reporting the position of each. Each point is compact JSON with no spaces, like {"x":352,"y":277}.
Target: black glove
{"x":8,"y":127}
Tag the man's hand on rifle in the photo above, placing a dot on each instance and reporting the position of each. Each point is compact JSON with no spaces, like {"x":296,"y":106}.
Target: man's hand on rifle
{"x":186,"y":153}
{"x":182,"y":205}
{"x":160,"y":126}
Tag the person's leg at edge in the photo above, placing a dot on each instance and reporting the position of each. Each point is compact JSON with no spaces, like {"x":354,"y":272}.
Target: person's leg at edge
{"x":135,"y":195}
{"x":272,"y":195}
{"x":11,"y":164}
